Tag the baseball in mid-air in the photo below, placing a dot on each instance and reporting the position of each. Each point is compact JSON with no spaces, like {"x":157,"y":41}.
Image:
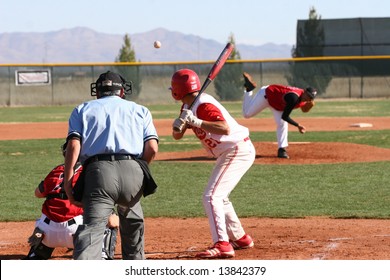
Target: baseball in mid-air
{"x":157,"y":44}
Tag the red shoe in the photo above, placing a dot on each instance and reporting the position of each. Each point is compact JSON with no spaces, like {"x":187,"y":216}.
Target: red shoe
{"x":220,"y":250}
{"x":244,"y":242}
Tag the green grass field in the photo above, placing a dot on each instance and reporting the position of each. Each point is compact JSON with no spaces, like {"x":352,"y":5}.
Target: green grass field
{"x":349,"y":190}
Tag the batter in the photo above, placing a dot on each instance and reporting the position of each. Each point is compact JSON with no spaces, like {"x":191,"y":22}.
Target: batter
{"x":228,"y":142}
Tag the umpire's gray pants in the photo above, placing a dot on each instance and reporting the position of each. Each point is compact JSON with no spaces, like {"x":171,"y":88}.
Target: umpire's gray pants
{"x":108,"y":183}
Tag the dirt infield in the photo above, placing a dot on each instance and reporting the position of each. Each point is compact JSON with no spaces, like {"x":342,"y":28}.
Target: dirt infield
{"x":275,"y":239}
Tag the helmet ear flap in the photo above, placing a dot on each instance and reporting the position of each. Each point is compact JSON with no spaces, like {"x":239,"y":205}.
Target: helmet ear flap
{"x":175,"y":95}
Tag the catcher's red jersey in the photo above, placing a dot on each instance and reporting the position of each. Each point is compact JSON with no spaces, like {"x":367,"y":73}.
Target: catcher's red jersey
{"x":57,"y":209}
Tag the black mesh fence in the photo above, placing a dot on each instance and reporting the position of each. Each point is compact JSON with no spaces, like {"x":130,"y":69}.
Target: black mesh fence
{"x":69,"y":84}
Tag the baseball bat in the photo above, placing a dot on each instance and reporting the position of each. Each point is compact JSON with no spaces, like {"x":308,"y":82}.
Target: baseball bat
{"x":217,"y":66}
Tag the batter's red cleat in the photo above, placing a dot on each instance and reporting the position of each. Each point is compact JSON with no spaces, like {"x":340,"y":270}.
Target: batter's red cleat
{"x":220,"y":250}
{"x":244,"y":242}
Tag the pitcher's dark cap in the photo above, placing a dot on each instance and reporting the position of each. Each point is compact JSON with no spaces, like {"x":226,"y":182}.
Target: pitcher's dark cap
{"x":312,"y":92}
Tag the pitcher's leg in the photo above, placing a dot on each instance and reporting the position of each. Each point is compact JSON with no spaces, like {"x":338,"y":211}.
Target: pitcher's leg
{"x":254,"y":103}
{"x":281,"y":129}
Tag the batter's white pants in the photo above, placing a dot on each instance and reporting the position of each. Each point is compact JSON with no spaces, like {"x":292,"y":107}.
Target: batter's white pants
{"x":58,"y":234}
{"x":228,"y":170}
{"x":254,"y":103}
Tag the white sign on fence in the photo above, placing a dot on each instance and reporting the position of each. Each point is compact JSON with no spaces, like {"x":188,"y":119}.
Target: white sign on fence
{"x":32,"y":77}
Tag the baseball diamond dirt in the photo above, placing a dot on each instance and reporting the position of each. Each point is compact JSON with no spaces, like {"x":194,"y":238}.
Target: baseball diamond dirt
{"x":308,"y":238}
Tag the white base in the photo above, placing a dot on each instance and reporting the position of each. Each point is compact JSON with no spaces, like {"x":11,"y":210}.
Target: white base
{"x":361,"y":125}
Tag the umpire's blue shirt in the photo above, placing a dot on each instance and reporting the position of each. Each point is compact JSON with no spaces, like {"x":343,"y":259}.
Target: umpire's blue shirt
{"x":111,"y":125}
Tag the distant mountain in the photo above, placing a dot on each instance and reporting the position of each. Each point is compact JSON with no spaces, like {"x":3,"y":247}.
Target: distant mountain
{"x":86,"y":45}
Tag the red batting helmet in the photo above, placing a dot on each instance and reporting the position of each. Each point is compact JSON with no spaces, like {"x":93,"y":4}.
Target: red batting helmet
{"x":183,"y":82}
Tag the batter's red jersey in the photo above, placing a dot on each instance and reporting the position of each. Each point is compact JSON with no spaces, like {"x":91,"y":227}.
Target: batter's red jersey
{"x":57,"y":209}
{"x":275,"y":96}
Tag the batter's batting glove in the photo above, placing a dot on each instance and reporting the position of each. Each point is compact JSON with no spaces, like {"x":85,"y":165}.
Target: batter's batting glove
{"x":185,"y":113}
{"x":191,"y":119}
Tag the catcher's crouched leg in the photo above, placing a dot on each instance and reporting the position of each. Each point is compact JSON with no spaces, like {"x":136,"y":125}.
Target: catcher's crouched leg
{"x":109,"y":243}
{"x":38,"y":250}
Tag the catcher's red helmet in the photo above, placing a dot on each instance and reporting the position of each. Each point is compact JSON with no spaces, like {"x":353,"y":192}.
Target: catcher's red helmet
{"x":183,"y":82}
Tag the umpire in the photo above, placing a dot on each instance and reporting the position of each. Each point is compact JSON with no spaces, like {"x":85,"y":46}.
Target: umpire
{"x":115,"y":140}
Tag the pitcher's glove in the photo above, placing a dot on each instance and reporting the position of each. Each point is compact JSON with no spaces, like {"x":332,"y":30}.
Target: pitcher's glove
{"x":307,"y":106}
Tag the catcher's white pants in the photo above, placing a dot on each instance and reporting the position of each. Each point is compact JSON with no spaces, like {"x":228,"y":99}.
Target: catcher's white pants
{"x":254,"y":103}
{"x":230,"y":167}
{"x":58,"y":234}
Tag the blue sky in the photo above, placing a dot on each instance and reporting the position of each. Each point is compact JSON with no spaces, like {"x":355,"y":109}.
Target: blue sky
{"x":253,"y":22}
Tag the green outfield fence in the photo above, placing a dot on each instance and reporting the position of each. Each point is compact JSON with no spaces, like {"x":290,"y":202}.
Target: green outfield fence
{"x":69,"y":83}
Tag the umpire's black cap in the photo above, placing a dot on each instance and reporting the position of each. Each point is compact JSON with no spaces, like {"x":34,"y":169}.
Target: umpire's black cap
{"x":109,"y":81}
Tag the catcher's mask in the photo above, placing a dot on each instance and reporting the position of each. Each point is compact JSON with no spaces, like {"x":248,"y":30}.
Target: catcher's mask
{"x":312,"y":92}
{"x":110,"y":81}
{"x":183,"y":82}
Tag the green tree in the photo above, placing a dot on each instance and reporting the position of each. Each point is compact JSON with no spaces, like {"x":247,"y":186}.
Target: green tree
{"x":129,"y":72}
{"x":310,"y":43}
{"x":229,"y":82}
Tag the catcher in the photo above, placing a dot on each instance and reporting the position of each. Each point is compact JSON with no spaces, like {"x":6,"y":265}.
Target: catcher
{"x":60,"y":219}
{"x":281,"y":100}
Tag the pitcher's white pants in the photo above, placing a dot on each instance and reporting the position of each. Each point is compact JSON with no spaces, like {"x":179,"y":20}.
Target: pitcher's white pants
{"x":254,"y":103}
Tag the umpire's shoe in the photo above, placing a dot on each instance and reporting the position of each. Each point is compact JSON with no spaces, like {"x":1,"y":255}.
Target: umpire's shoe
{"x":249,"y":83}
{"x":282,"y":153}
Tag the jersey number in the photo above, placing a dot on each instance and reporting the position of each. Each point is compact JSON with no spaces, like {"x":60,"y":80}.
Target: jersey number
{"x":212,"y":143}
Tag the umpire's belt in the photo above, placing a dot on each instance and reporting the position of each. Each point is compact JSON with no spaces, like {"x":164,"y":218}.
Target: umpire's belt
{"x":70,"y":222}
{"x":108,"y":157}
